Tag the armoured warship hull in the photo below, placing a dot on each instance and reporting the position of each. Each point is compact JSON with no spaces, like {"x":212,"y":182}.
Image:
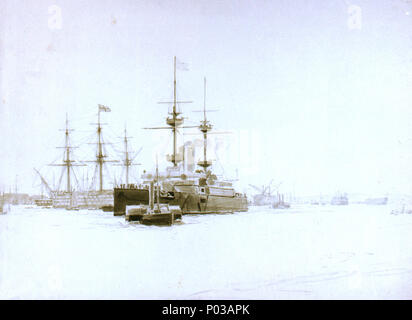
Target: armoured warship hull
{"x":209,"y":199}
{"x":190,"y":199}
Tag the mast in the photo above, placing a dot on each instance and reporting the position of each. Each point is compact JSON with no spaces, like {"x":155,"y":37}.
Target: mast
{"x":100,"y":156}
{"x":204,"y":127}
{"x":204,"y":123}
{"x":175,"y":121}
{"x":127,"y":161}
{"x":67,"y":161}
{"x":157,"y":182}
{"x":174,"y":114}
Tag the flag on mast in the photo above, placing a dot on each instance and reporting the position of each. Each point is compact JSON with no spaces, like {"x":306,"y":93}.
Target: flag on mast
{"x":104,"y":108}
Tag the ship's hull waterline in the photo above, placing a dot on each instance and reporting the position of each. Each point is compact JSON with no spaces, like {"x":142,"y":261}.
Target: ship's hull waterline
{"x":189,"y":203}
{"x":84,"y":200}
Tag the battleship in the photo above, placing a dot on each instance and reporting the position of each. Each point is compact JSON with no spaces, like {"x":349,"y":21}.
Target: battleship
{"x":73,"y":198}
{"x":198,"y":192}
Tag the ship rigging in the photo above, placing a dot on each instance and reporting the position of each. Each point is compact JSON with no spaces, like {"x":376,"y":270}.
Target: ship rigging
{"x":175,"y":121}
{"x":199,"y":192}
{"x":91,"y":197}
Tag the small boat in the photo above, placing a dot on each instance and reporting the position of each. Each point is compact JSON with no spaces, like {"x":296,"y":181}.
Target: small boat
{"x":163,"y":215}
{"x":159,"y":215}
{"x":158,"y":219}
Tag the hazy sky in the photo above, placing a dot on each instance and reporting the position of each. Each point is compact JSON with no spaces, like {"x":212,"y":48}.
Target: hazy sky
{"x":318,"y":94}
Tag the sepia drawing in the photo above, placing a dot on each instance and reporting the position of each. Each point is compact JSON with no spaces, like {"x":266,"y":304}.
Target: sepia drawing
{"x":258,"y":149}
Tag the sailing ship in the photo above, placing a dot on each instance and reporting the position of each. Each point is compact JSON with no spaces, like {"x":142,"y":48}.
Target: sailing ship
{"x":200,"y":192}
{"x":74,"y":198}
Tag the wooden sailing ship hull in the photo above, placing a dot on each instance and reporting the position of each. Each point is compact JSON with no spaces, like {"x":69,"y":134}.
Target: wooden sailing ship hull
{"x":85,"y":200}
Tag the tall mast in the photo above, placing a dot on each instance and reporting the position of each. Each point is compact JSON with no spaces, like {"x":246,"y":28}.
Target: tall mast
{"x":127,"y":161}
{"x":157,"y":182}
{"x":204,"y":123}
{"x":174,"y":114}
{"x":100,"y":156}
{"x":175,"y":121}
{"x":204,"y":127}
{"x":67,"y":161}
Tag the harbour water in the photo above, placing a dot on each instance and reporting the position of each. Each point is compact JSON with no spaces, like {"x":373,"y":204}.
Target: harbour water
{"x":305,"y":252}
